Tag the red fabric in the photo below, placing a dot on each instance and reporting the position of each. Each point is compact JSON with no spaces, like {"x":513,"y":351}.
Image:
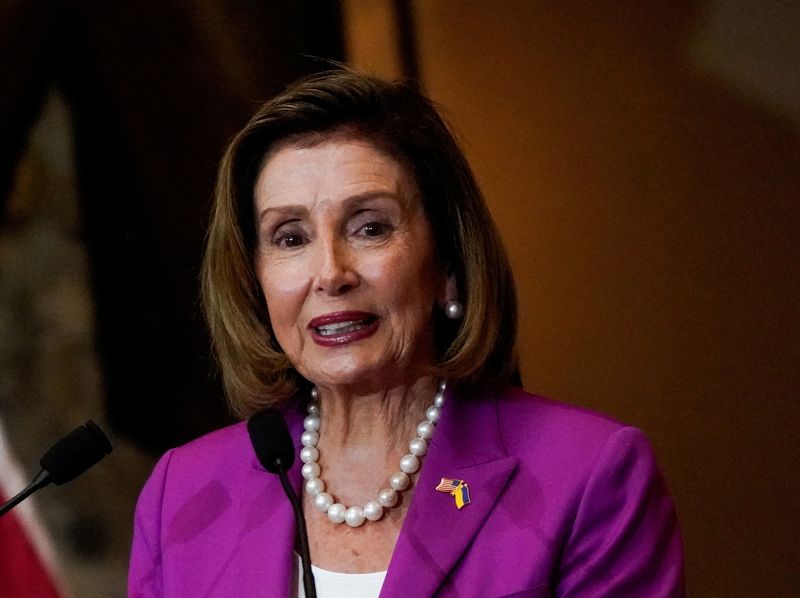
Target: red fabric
{"x":22,"y":573}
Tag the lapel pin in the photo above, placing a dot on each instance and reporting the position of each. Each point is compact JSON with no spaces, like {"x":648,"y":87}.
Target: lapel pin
{"x":458,"y":489}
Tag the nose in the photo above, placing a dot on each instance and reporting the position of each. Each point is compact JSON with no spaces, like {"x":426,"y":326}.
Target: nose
{"x":336,"y":273}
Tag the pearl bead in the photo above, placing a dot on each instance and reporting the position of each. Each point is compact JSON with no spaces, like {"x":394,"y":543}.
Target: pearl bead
{"x":454,"y":310}
{"x":310,"y":470}
{"x":336,"y":512}
{"x":314,"y":486}
{"x":323,"y":501}
{"x":425,"y":430}
{"x":387,"y":497}
{"x":399,"y":481}
{"x":409,"y":463}
{"x":442,"y":385}
{"x":309,"y":454}
{"x":313,"y":408}
{"x":311,"y":422}
{"x":418,"y":447}
{"x":309,"y":438}
{"x":432,"y":414}
{"x":354,"y":516}
{"x":373,"y":510}
{"x":314,"y":393}
{"x":438,"y":400}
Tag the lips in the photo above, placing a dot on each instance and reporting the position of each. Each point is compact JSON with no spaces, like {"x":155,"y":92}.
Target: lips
{"x":341,"y":328}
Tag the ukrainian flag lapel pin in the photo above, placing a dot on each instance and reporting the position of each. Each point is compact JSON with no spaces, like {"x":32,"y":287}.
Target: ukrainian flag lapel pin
{"x":458,"y":489}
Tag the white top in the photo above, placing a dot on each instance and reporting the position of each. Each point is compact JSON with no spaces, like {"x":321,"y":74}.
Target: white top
{"x":331,"y":584}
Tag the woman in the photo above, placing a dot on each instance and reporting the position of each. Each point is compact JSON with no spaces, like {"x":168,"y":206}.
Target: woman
{"x":354,"y":277}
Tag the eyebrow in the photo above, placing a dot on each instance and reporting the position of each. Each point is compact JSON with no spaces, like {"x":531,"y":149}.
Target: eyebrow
{"x":301,"y":210}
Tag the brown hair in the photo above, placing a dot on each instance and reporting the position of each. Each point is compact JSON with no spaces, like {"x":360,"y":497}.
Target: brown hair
{"x":397,"y":119}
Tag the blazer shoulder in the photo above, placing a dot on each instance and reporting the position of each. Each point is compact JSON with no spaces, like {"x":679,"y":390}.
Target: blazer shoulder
{"x":542,"y":413}
{"x":217,"y":455}
{"x":216,"y":451}
{"x":535,"y":428}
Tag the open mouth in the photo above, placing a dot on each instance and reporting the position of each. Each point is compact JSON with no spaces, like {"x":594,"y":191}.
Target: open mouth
{"x":344,"y":327}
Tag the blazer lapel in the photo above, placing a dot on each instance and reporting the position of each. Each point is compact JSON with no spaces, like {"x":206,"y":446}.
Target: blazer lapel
{"x":466,"y":446}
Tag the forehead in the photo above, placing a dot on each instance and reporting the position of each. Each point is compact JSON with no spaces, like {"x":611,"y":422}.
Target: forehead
{"x":336,"y":166}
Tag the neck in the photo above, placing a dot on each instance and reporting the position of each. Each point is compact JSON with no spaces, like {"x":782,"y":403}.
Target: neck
{"x":361,"y":442}
{"x":382,"y":420}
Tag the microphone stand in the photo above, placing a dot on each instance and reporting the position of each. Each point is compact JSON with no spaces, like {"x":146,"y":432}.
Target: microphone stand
{"x":39,"y":482}
{"x":305,"y":554}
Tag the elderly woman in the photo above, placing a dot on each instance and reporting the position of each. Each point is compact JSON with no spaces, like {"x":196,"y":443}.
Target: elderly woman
{"x":354,"y":278}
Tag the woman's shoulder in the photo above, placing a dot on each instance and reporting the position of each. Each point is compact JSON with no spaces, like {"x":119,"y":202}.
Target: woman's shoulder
{"x":543,"y":432}
{"x":213,"y":456}
{"x":231,"y":443}
{"x":222,"y":446}
{"x":545,"y":415}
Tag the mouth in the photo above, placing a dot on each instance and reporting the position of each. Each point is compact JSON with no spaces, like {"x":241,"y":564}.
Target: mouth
{"x":341,"y":328}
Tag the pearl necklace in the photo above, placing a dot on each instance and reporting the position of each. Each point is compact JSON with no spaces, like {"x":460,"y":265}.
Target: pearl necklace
{"x":399,"y":481}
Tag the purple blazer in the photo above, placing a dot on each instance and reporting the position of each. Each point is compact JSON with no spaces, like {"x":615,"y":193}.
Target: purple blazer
{"x":564,"y":503}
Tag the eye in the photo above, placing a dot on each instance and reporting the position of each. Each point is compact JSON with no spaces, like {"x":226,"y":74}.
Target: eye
{"x":289,"y":240}
{"x":374,"y":229}
{"x":288,"y":236}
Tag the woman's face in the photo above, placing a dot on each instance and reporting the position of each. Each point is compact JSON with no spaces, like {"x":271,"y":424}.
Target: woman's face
{"x":346,"y":262}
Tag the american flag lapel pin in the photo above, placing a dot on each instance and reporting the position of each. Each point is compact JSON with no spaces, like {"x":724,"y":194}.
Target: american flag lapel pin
{"x":458,"y":489}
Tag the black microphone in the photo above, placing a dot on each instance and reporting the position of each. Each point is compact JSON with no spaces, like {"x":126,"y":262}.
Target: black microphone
{"x":271,"y":440}
{"x":273,"y":446}
{"x":66,"y":459}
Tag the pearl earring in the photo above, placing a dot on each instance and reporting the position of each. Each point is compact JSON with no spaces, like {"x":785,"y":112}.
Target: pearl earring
{"x":454,"y":310}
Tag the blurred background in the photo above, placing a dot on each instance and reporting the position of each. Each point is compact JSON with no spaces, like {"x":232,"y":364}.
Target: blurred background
{"x":641,"y":158}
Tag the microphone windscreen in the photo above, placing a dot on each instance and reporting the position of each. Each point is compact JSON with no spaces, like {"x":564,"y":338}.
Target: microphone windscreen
{"x":271,"y":440}
{"x":75,"y":453}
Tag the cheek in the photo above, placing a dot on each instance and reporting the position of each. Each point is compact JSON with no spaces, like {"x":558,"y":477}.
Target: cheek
{"x":284,"y":287}
{"x":408,"y":286}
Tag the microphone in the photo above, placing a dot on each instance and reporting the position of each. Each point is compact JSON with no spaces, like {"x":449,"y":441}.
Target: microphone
{"x":271,"y":440}
{"x":66,"y":459}
{"x":274,"y":449}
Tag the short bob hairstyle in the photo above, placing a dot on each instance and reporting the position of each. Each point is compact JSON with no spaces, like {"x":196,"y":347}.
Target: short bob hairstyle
{"x":398,"y":120}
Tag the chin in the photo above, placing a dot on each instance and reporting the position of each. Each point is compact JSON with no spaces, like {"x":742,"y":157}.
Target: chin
{"x":338,"y":371}
{"x":349,"y":374}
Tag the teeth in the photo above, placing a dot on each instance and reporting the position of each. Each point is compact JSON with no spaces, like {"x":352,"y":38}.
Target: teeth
{"x":340,"y":327}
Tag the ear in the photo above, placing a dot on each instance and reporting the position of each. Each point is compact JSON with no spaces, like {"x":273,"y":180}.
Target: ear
{"x":449,"y":290}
